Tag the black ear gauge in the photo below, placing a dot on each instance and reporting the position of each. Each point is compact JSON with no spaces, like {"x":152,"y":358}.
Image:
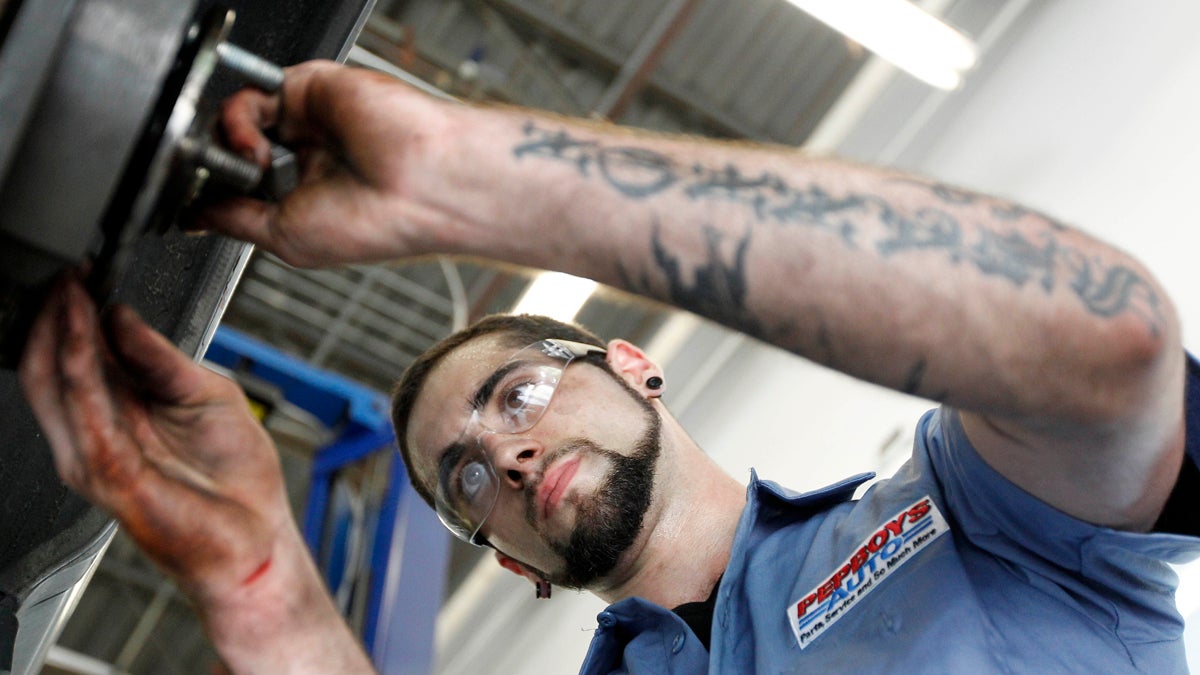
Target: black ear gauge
{"x":654,"y":382}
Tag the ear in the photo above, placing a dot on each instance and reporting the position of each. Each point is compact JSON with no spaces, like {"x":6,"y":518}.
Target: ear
{"x":633,"y":365}
{"x":516,"y":567}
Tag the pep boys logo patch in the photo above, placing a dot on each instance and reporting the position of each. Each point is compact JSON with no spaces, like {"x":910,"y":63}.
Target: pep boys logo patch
{"x":884,"y":552}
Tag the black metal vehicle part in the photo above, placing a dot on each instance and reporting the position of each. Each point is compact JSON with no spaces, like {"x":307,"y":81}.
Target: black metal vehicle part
{"x":102,"y":143}
{"x":151,"y":165}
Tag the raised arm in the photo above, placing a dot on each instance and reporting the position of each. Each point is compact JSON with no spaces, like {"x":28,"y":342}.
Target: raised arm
{"x":174,"y":453}
{"x":1063,"y":352}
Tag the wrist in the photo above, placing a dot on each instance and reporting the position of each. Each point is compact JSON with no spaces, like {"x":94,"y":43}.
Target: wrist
{"x":280,"y":618}
{"x":481,"y":199}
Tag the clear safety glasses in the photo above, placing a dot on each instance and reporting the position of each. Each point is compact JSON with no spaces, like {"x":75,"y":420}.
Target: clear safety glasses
{"x":510,"y":401}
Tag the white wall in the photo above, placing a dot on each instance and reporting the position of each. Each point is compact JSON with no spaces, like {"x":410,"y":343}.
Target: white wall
{"x":1091,"y":114}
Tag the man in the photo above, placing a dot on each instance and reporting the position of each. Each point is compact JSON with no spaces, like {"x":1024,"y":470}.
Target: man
{"x":1026,"y":533}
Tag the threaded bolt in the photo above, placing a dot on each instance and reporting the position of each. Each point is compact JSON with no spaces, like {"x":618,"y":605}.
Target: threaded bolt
{"x":236,"y":172}
{"x":253,"y":68}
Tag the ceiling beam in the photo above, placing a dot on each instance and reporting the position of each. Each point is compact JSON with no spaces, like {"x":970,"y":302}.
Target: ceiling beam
{"x":645,"y":58}
{"x":586,"y":47}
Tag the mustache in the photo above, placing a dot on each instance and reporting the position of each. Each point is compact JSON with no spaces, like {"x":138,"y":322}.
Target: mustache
{"x":529,"y":492}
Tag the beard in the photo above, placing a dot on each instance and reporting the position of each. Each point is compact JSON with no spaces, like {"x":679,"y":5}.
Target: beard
{"x":609,"y":521}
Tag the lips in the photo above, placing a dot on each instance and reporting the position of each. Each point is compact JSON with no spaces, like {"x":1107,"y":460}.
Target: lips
{"x":554,"y":484}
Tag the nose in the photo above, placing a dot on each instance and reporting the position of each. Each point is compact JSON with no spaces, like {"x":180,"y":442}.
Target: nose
{"x":515,"y":457}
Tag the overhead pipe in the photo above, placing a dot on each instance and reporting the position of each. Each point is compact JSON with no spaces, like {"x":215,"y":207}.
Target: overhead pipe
{"x":644,"y":59}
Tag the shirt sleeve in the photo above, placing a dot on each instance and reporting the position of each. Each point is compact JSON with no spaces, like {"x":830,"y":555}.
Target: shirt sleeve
{"x":989,"y":507}
{"x":1102,"y":570}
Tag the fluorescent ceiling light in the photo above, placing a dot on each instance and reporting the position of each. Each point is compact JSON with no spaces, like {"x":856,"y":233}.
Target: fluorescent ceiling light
{"x":902,"y":33}
{"x":556,"y":295}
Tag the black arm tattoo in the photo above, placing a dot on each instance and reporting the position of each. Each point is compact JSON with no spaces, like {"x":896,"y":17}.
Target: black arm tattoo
{"x":1105,"y":290}
{"x":912,"y":384}
{"x":634,"y":172}
{"x":718,"y":289}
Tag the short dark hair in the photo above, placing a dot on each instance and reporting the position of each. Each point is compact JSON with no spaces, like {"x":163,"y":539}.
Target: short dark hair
{"x":515,"y":330}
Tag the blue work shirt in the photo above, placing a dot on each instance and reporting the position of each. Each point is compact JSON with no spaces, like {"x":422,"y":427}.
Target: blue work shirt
{"x":947,"y":567}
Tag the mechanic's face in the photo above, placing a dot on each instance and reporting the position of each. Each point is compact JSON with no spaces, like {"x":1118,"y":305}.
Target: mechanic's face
{"x":574,"y":487}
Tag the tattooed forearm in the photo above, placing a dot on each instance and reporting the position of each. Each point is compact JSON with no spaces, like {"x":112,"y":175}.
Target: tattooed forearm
{"x":859,"y":221}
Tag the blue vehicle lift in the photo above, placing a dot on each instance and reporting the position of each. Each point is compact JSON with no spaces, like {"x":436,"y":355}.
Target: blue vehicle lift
{"x":410,"y":547}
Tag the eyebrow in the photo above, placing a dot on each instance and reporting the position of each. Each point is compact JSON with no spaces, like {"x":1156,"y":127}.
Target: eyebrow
{"x":484,"y":393}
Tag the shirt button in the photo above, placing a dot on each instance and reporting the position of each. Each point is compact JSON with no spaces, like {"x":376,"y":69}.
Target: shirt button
{"x":606,"y":619}
{"x":677,"y":645}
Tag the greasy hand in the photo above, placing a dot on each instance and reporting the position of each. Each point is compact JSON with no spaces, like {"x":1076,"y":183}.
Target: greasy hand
{"x":355,"y":134}
{"x":168,"y":447}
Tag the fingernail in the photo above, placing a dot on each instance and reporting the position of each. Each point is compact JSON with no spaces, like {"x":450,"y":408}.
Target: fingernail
{"x":125,"y":313}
